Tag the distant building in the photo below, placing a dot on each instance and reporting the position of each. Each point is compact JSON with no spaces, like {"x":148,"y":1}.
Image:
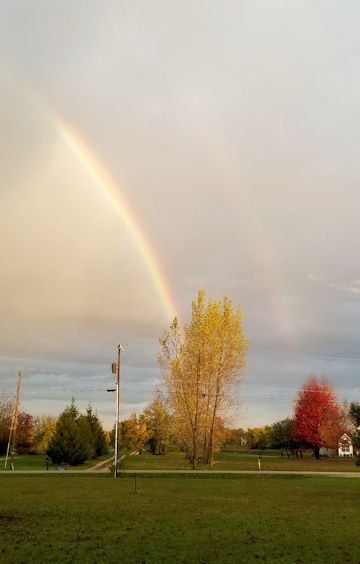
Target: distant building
{"x":345,"y":446}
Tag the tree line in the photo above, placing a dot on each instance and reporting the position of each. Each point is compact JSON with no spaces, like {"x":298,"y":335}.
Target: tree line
{"x":202,"y":364}
{"x":318,"y":421}
{"x":33,"y":432}
{"x":70,"y":438}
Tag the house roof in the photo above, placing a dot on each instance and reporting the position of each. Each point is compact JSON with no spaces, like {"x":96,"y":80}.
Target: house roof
{"x":345,"y":440}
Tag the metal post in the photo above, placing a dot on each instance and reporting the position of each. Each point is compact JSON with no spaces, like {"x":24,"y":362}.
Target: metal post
{"x":117,"y":412}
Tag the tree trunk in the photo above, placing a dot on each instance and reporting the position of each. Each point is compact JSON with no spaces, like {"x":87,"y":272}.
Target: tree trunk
{"x":210,"y":457}
{"x":194,"y":447}
{"x":206,"y":422}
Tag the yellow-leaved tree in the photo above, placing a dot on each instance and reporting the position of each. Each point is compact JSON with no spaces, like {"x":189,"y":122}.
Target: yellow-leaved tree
{"x":158,"y":422}
{"x":137,"y":434}
{"x":202,"y":368}
{"x":45,"y":427}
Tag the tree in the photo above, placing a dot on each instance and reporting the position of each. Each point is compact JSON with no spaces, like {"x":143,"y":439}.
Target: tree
{"x":202,"y":367}
{"x":77,"y":437}
{"x":158,"y":420}
{"x":235,"y":436}
{"x":332,"y":429}
{"x":282,"y":436}
{"x":86,"y":434}
{"x":97,"y":433}
{"x":259,"y":437}
{"x":45,"y":426}
{"x":355,"y":415}
{"x":25,"y":434}
{"x":68,"y":444}
{"x":7,"y":407}
{"x":137,"y":434}
{"x":315,"y":405}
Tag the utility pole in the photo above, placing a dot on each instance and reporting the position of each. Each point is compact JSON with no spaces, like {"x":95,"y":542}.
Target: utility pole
{"x":14,"y":427}
{"x":9,"y":441}
{"x":120,"y":348}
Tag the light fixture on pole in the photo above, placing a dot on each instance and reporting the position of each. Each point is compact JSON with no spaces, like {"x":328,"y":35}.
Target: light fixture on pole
{"x":115,"y":369}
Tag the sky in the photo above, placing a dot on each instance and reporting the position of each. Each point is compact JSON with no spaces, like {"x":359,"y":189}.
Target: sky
{"x":152,"y":149}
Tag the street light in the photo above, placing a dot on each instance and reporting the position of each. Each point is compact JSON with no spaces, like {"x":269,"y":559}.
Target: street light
{"x":115,"y":369}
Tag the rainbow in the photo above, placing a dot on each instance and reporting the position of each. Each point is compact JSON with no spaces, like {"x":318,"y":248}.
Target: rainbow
{"x":111,"y":192}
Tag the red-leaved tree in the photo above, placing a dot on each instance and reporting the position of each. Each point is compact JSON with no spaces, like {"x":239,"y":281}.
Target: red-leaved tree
{"x":25,"y":434}
{"x":315,"y":405}
{"x":332,"y":429}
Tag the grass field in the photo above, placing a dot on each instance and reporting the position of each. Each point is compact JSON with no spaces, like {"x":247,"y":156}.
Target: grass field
{"x":38,"y":462}
{"x":87,"y":518}
{"x":243,"y":461}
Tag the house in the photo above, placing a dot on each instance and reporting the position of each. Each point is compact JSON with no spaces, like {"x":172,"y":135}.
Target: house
{"x":345,"y":446}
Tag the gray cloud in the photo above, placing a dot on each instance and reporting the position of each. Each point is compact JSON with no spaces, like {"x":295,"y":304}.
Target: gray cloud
{"x":232,"y":133}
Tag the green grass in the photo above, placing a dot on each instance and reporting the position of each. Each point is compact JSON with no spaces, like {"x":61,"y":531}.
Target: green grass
{"x":27,"y":462}
{"x":38,"y":462}
{"x":147,"y":461}
{"x":245,"y":460}
{"x":87,"y":518}
{"x":271,"y":460}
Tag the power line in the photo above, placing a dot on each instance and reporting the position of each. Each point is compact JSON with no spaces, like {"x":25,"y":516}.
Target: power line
{"x":305,"y":356}
{"x":238,"y":396}
{"x":126,"y":389}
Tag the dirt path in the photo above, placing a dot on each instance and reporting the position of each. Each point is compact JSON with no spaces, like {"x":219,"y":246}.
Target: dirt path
{"x":101,"y":466}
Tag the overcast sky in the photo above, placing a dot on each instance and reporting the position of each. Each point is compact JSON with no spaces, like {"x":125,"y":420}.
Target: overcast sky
{"x":232,"y":131}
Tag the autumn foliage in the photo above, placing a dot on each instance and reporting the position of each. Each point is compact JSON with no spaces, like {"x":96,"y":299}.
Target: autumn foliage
{"x":317,"y":418}
{"x":202,"y":367}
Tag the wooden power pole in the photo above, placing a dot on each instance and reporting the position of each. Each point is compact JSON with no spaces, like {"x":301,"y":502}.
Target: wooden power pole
{"x":13,"y":442}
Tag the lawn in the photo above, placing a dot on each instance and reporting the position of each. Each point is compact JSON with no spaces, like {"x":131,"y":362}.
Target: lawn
{"x":38,"y":462}
{"x":246,"y":460}
{"x":94,"y":518}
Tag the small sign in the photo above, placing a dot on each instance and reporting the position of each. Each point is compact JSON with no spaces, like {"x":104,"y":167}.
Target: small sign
{"x":114,"y":368}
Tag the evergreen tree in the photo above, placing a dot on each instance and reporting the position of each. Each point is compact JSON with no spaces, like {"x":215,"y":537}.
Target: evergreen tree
{"x":68,"y":444}
{"x":98,"y":437}
{"x":355,"y":414}
{"x":85,"y":429}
